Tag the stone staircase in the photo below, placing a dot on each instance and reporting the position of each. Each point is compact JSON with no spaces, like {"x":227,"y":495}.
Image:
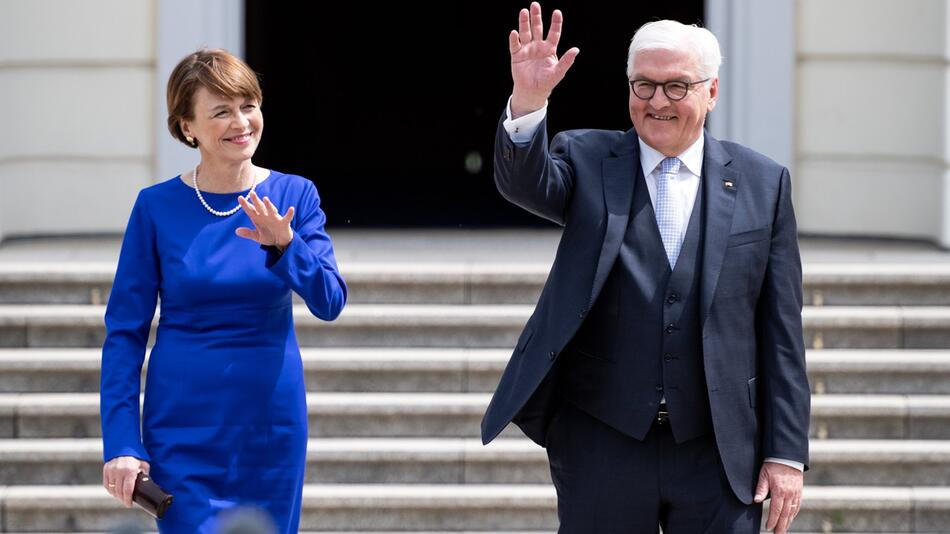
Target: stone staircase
{"x":399,"y":383}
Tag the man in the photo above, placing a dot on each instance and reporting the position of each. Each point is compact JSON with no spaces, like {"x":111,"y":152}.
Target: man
{"x":663,"y":368}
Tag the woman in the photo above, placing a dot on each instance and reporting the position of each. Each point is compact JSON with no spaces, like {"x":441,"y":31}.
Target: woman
{"x":224,"y":420}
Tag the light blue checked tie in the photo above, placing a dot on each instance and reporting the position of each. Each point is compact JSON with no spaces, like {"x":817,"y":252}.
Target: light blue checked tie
{"x":668,"y":217}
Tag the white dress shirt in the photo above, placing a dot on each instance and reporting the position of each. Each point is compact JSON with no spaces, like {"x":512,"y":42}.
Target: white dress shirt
{"x":684,"y":188}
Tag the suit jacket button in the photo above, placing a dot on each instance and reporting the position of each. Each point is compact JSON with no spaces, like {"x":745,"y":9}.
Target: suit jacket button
{"x":667,"y":357}
{"x":672,"y":298}
{"x":552,"y":355}
{"x":659,"y":387}
{"x":669,"y":328}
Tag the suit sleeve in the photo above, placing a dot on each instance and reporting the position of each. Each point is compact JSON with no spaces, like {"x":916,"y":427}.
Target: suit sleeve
{"x":308,"y":265}
{"x":786,"y":393}
{"x":128,"y":320}
{"x":530,"y":176}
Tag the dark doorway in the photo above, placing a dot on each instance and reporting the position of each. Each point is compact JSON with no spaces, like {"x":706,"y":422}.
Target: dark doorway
{"x":391,"y":109}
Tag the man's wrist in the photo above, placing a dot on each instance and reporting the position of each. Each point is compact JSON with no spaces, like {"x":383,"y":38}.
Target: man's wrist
{"x":525,"y":106}
{"x":790,"y":463}
{"x":522,"y":129}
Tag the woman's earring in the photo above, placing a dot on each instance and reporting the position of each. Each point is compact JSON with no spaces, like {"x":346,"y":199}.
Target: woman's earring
{"x":191,"y":140}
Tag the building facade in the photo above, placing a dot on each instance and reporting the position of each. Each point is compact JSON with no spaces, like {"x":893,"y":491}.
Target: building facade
{"x":851,"y":94}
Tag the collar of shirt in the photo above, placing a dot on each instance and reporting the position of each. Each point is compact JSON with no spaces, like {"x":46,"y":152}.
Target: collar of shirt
{"x":692,"y":157}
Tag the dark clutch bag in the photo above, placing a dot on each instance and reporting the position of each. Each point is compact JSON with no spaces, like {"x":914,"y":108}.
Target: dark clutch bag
{"x":150,"y":496}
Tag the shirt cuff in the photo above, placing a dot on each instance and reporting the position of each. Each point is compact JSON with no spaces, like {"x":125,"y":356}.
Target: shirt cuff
{"x":791,"y":463}
{"x":522,"y":129}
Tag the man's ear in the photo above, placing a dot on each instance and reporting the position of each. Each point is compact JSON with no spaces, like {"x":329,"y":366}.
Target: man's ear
{"x":713,"y":94}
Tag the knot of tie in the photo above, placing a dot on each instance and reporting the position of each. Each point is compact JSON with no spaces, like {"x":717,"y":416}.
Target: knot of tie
{"x":670,"y":166}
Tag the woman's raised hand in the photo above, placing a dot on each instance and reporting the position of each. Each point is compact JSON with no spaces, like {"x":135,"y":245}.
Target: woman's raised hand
{"x":270,"y":228}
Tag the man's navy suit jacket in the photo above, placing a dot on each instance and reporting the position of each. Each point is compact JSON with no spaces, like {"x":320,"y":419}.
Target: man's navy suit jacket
{"x":750,"y":283}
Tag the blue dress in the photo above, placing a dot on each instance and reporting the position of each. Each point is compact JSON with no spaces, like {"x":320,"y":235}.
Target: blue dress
{"x":224,"y":420}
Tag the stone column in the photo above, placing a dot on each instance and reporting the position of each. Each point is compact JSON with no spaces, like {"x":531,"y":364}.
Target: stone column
{"x":756,"y":105}
{"x":183,"y":27}
{"x":76,"y":81}
{"x":873,"y":149}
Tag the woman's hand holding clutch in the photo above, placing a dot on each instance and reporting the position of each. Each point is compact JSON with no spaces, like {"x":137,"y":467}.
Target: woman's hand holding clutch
{"x":118,"y":477}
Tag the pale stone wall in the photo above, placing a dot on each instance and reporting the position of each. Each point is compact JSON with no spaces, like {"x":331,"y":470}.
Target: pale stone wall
{"x":756,"y":105}
{"x":851,"y":94}
{"x":84,"y":123}
{"x":77,"y":82}
{"x":872,"y":146}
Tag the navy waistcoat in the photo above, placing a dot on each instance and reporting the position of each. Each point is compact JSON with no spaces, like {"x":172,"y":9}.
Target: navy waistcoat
{"x":642,"y":339}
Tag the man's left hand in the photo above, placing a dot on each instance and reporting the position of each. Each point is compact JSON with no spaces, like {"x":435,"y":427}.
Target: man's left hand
{"x":784,"y":485}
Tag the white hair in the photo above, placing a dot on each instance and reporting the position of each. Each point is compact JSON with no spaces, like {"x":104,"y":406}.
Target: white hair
{"x":673,"y":35}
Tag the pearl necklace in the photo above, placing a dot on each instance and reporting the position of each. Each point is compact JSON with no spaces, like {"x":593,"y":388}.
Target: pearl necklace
{"x":231,"y":211}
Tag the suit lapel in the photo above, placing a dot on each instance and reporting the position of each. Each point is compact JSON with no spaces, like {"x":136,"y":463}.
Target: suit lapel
{"x":619,"y":178}
{"x":720,"y":207}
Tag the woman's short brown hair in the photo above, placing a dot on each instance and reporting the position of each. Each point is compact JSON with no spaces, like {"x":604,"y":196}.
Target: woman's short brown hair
{"x":216,"y":70}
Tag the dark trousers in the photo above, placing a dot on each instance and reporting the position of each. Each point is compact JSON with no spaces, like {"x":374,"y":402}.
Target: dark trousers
{"x":608,"y":482}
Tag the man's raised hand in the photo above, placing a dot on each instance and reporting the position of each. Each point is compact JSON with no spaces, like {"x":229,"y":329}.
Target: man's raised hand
{"x":535,"y":67}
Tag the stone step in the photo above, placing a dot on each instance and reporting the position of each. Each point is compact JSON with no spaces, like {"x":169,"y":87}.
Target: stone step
{"x":887,"y":371}
{"x":76,"y":415}
{"x":876,"y":284}
{"x":862,"y":371}
{"x":359,"y":325}
{"x":880,"y":416}
{"x":368,"y":283}
{"x":825,"y":284}
{"x":477,"y":326}
{"x":856,"y":327}
{"x":467,"y":461}
{"x":422,"y":369}
{"x":482,"y":508}
{"x":146,"y":531}
{"x":137,"y":523}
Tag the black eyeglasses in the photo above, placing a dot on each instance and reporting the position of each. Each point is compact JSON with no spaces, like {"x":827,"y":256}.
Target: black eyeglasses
{"x":675,"y":90}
